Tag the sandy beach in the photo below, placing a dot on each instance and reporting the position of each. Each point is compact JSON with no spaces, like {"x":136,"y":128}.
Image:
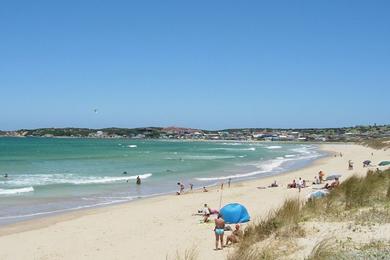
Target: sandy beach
{"x":159,"y":227}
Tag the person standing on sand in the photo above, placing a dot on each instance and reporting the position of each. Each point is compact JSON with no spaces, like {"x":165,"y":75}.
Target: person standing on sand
{"x":219,"y":230}
{"x":350,"y":165}
{"x":229,"y":181}
{"x":300,"y":184}
{"x":321,"y":176}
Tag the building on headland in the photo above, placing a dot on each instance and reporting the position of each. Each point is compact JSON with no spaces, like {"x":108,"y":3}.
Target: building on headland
{"x":345,"y":134}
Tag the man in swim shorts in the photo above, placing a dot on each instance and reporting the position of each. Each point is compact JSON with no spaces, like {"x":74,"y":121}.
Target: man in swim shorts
{"x":219,"y":231}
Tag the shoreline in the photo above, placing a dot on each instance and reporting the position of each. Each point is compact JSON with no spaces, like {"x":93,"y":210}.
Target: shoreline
{"x":156,"y":221}
{"x":214,"y":178}
{"x":296,"y":165}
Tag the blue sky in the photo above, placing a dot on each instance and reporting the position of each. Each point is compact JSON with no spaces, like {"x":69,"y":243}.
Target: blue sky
{"x":201,"y":64}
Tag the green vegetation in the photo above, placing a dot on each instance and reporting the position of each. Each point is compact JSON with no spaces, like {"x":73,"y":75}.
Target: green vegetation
{"x":188,"y":254}
{"x":380,"y":143}
{"x":370,"y":134}
{"x":362,"y":201}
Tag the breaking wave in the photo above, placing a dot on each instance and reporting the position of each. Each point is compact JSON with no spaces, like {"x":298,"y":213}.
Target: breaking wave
{"x":49,"y":179}
{"x":273,"y":147}
{"x":16,"y":191}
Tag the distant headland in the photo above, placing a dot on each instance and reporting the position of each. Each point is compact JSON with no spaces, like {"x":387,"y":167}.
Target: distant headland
{"x":343,"y":134}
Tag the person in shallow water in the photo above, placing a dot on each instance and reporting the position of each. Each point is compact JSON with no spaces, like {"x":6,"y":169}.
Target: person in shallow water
{"x":138,"y":180}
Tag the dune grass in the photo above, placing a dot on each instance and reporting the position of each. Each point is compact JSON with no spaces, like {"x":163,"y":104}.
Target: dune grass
{"x":344,"y":202}
{"x":378,"y":143}
{"x":188,"y":254}
{"x":322,"y":250}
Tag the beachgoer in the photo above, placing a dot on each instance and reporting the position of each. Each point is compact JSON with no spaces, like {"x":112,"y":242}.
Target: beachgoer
{"x":222,"y":186}
{"x":6,"y":175}
{"x":341,"y":155}
{"x":236,"y":235}
{"x":292,"y":185}
{"x":321,"y":175}
{"x":138,"y":180}
{"x":124,"y":173}
{"x":316,"y":180}
{"x":219,"y":230}
{"x":300,"y":184}
{"x":206,"y":213}
{"x":181,"y":187}
{"x":274,"y":184}
{"x":191,"y":186}
{"x":204,"y":189}
{"x":333,"y":185}
{"x":350,"y":165}
{"x":229,"y":181}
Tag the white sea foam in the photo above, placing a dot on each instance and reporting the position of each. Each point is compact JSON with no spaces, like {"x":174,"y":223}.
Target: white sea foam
{"x":264,"y":167}
{"x":208,"y":157}
{"x":305,"y":152}
{"x":48,"y":179}
{"x":273,"y":147}
{"x":132,"y":146}
{"x":290,"y":155}
{"x":103,"y":180}
{"x":202,"y":157}
{"x":233,"y":149}
{"x":16,"y":191}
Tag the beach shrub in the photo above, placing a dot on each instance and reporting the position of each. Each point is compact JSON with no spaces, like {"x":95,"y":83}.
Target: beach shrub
{"x":283,"y":221}
{"x":322,"y":250}
{"x":350,"y":200}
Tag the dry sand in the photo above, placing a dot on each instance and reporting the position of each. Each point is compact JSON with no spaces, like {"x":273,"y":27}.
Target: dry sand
{"x":158,"y":227}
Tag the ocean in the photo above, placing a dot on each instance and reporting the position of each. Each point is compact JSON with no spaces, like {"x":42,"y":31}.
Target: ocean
{"x":53,"y":175}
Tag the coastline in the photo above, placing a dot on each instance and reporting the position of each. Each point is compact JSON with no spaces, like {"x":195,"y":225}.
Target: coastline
{"x":238,"y":171}
{"x":145,"y":221}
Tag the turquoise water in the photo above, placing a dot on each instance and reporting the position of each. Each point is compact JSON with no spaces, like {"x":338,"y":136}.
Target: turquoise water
{"x":52,"y":175}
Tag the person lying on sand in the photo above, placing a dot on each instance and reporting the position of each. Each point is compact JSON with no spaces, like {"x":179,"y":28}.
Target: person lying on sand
{"x":333,"y":185}
{"x":219,"y":231}
{"x":203,"y":211}
{"x":292,"y":185}
{"x":235,"y":237}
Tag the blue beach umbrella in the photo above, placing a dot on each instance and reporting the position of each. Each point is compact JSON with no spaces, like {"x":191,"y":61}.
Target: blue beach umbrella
{"x":234,"y":213}
{"x":318,"y":194}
